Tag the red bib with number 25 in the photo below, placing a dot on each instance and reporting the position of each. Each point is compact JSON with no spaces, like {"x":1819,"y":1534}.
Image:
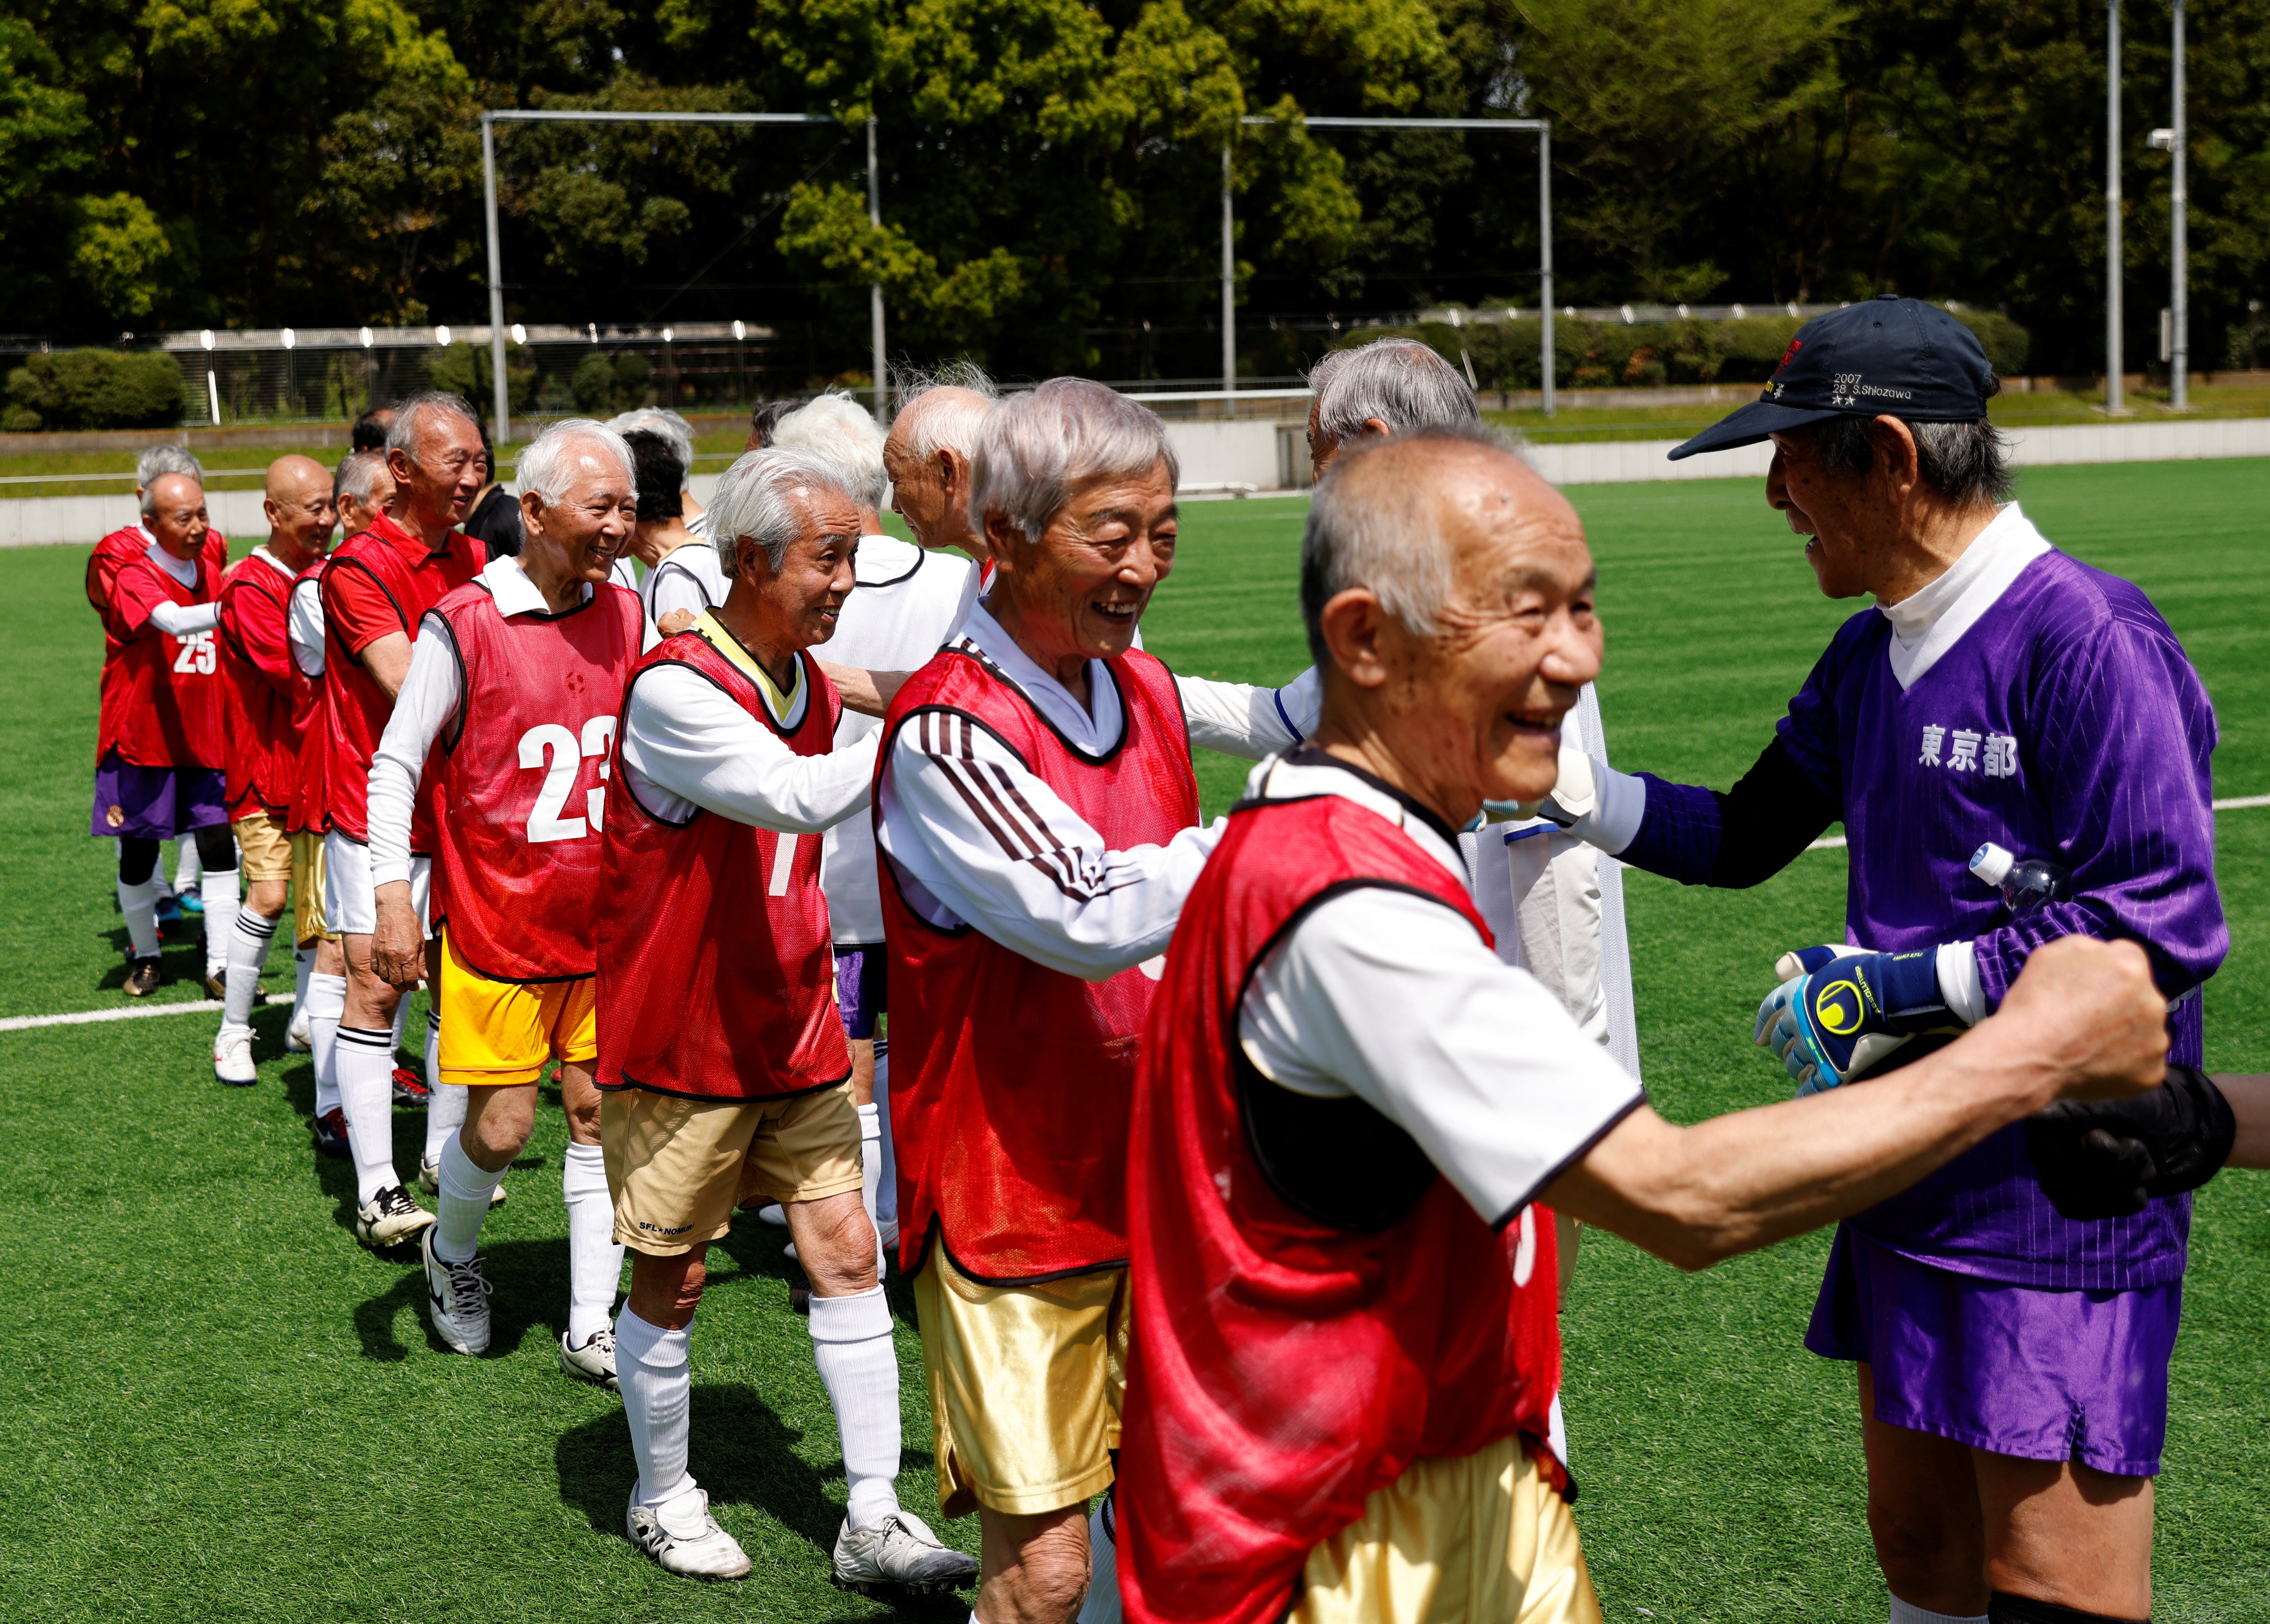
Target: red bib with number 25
{"x":521,"y":776}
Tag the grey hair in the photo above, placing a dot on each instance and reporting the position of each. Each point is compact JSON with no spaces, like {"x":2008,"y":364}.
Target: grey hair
{"x":1964,"y":463}
{"x":838,"y":428}
{"x":1034,"y":448}
{"x":669,"y":425}
{"x":166,"y":460}
{"x":1400,"y":382}
{"x":544,"y":467}
{"x":402,"y":433}
{"x":763,"y":497}
{"x":357,"y":472}
{"x":944,"y":425}
{"x":149,"y":487}
{"x":1374,"y":540}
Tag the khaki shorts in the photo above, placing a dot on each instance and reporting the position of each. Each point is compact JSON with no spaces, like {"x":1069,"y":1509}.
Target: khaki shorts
{"x":496,"y":1033}
{"x":263,"y":850}
{"x":307,"y":923}
{"x":1481,"y":1536}
{"x":1025,"y":1386}
{"x":677,"y":1169}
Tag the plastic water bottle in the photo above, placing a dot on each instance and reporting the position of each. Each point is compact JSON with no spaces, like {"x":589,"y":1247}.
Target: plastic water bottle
{"x":2025,"y":885}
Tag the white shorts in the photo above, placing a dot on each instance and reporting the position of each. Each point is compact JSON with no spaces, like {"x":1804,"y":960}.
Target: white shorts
{"x":351,"y":902}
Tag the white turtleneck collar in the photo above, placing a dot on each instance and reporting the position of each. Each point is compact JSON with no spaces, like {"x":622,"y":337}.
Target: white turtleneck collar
{"x":1928,"y":623}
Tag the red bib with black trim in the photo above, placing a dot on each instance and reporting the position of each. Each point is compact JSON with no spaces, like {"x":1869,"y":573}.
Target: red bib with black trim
{"x":161,"y":695}
{"x":1011,"y":1083}
{"x":267,"y":700}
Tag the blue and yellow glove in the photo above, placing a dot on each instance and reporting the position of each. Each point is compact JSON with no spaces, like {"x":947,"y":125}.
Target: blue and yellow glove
{"x":1841,"y":1012}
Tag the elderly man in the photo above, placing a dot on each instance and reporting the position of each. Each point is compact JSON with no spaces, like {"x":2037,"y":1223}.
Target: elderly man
{"x":1344,"y":1340}
{"x":518,"y":678}
{"x":682,"y":580}
{"x":1998,"y":692}
{"x":927,"y":455}
{"x":375,"y":592}
{"x":723,"y":1068}
{"x":1036,"y":806}
{"x":270,"y":702}
{"x":371,"y":429}
{"x":158,"y":763}
{"x":674,"y":428}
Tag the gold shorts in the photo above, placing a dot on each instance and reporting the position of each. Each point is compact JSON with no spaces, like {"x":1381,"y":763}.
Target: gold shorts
{"x":263,"y":850}
{"x":495,"y":1034}
{"x":1481,"y":1536}
{"x":309,"y":926}
{"x":1025,"y":1386}
{"x":678,"y":1168}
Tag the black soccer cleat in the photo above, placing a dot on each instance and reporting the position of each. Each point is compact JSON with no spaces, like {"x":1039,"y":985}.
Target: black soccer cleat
{"x":409,"y":1087}
{"x":332,"y":1132}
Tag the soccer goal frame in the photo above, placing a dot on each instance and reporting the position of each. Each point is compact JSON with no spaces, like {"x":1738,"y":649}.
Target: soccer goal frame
{"x":494,"y":116}
{"x":1542,"y":129}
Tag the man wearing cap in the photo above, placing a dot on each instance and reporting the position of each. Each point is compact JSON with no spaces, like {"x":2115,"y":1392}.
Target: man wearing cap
{"x":2013,"y":1343}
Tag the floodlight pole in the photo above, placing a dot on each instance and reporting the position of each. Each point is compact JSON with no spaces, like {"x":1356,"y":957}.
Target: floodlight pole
{"x":1228,"y":284}
{"x":875,"y":289}
{"x":2179,"y":382}
{"x":518,"y":115}
{"x":2112,"y":355}
{"x":1541,"y":128}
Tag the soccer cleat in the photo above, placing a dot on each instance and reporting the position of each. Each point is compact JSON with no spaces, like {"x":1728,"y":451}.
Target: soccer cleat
{"x":332,"y":1132}
{"x":685,"y":1539}
{"x":233,"y":1059}
{"x":217,"y":988}
{"x":297,"y":1039}
{"x":169,"y":906}
{"x":429,"y":1179}
{"x":143,"y":976}
{"x":594,"y":1361}
{"x":389,"y":1219}
{"x":457,"y":1299}
{"x":772,"y":1213}
{"x":409,"y":1087}
{"x":899,"y":1555}
{"x":191,"y":900}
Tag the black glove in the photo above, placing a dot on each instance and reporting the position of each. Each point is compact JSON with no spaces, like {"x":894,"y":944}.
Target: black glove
{"x":2107,"y":1159}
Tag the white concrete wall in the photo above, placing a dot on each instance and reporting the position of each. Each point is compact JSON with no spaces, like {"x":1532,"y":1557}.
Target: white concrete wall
{"x":1227,"y":453}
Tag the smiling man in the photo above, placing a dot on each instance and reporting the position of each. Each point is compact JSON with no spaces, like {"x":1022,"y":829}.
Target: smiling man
{"x":508,"y":716}
{"x":2013,"y":1357}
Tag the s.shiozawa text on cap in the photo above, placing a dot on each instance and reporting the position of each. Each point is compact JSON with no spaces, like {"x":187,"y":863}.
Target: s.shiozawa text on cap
{"x":1890,"y":356}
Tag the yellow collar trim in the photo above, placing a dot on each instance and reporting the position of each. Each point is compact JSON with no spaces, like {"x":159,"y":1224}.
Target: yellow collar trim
{"x":781,"y":705}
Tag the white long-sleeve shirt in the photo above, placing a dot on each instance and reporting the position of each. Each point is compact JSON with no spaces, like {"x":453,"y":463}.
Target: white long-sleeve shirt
{"x":304,"y":625}
{"x":181,"y":620}
{"x":1396,"y":999}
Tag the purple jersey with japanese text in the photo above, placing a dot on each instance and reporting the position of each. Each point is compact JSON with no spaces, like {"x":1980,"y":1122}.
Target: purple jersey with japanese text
{"x":2066,"y":723}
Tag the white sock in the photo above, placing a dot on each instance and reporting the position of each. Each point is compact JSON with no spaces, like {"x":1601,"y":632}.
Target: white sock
{"x":433,"y":1047}
{"x":871,"y":1156}
{"x":364,"y":1061}
{"x":466,"y":1187}
{"x":595,"y":1258}
{"x":448,"y":1103}
{"x":1103,"y":1604}
{"x":1908,"y":1613}
{"x":220,"y":893}
{"x":886,"y":1185}
{"x":139,"y":905}
{"x":400,"y":1019}
{"x":326,"y":1001}
{"x":303,"y":966}
{"x":247,"y":956}
{"x":657,"y":1394}
{"x":186,"y":866}
{"x":852,"y":1343}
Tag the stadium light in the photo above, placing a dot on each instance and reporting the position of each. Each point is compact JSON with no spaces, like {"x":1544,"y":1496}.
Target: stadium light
{"x":494,"y":116}
{"x":2179,"y":360}
{"x":1542,"y":129}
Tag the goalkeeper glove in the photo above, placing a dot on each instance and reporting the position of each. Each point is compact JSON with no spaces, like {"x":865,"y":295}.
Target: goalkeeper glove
{"x":2105,"y":1159}
{"x":1572,"y":797}
{"x":1841,"y":1012}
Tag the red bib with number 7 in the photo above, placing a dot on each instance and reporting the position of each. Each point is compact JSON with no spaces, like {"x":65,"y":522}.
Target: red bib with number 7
{"x":519,"y":779}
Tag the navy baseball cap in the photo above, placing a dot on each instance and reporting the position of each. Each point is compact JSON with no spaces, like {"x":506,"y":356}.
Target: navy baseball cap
{"x":1890,"y":356}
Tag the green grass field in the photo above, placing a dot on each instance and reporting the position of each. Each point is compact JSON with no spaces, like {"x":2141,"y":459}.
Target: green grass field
{"x":221,"y":1408}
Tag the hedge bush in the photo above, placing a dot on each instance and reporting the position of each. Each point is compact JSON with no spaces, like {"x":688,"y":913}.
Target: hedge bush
{"x":1589,"y":354}
{"x":93,"y":388}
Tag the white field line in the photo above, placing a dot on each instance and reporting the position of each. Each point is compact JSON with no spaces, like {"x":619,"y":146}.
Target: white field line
{"x":87,"y":1016}
{"x":2237,"y":803}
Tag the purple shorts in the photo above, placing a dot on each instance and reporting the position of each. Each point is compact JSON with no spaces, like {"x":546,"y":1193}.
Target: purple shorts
{"x":862,"y":988}
{"x":2010,"y":1370}
{"x":155,"y":803}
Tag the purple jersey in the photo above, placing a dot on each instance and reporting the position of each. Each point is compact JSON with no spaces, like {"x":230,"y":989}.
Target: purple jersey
{"x":2065,"y":724}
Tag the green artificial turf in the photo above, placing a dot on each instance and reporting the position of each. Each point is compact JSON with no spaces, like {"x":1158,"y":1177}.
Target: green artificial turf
{"x":221,"y":1408}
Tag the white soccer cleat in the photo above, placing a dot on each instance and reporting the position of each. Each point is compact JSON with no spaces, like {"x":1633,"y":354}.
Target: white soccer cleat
{"x":899,"y":1555}
{"x":457,"y":1300}
{"x":429,"y":1179}
{"x":389,"y":1219}
{"x":233,"y":1059}
{"x":297,"y":1039}
{"x":772,"y":1212}
{"x":594,"y":1361}
{"x":685,"y":1539}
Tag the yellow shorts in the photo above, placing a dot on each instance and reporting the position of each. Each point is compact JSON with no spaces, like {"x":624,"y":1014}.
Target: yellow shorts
{"x":678,"y":1168}
{"x":495,"y":1034}
{"x":1481,"y":1536}
{"x":309,"y":925}
{"x":263,"y":850}
{"x":1025,"y":1386}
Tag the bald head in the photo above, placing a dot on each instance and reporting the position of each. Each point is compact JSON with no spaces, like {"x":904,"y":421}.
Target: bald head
{"x":927,"y":456}
{"x":299,"y":510}
{"x":1447,"y":593}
